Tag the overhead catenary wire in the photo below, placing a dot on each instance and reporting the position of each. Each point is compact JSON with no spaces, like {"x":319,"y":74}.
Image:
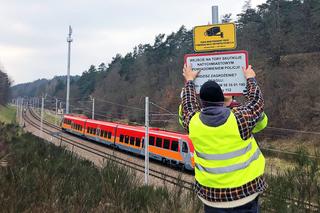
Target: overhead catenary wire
{"x":168,"y":121}
{"x":101,"y":113}
{"x":294,"y":130}
{"x":108,"y":116}
{"x":63,"y":99}
{"x":160,"y":107}
{"x":117,"y":104}
{"x":164,"y":114}
{"x":174,"y":114}
{"x":109,"y":102}
{"x":275,"y":128}
{"x":87,"y":110}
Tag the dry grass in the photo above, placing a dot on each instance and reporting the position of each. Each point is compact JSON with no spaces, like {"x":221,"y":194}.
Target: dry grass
{"x":42,"y":177}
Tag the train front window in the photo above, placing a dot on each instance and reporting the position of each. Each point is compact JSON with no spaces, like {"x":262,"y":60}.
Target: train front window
{"x":184,"y":147}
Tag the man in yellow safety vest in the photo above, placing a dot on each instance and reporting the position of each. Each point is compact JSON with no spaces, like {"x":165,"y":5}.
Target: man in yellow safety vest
{"x":229,"y":165}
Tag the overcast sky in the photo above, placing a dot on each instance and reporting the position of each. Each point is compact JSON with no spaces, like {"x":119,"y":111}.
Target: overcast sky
{"x":33,"y":32}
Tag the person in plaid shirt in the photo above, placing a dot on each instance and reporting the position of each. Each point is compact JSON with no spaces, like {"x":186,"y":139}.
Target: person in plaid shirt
{"x":229,"y":166}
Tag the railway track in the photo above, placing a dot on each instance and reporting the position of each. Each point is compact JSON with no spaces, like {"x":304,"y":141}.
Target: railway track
{"x":163,"y":177}
{"x":281,"y":154}
{"x":310,"y":207}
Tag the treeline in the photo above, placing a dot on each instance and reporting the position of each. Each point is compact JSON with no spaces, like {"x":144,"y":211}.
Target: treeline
{"x":281,"y":36}
{"x":280,"y":27}
{"x":4,"y":88}
{"x":54,"y":87}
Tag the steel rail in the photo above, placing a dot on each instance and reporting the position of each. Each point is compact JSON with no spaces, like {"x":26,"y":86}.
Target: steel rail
{"x":282,"y":154}
{"x":132,"y":165}
{"x":174,"y":181}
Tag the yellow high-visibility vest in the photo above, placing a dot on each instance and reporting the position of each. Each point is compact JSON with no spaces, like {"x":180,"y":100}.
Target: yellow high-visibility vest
{"x":222,"y":158}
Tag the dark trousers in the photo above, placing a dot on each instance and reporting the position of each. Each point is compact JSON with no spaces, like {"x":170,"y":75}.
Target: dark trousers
{"x":251,"y":207}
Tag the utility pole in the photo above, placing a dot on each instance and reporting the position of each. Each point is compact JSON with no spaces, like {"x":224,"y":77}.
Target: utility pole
{"x":17,"y":106}
{"x":92,"y":108}
{"x":41,"y":124}
{"x":21,"y":109}
{"x":69,"y":40}
{"x":37,"y":104}
{"x":55,"y":120}
{"x":146,"y":142}
{"x":215,"y":14}
{"x":60,"y":107}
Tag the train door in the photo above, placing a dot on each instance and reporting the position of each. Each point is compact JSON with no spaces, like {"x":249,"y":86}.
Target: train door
{"x":185,"y":152}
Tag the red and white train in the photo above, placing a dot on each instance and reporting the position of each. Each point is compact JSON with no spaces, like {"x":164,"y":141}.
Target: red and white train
{"x":168,"y":147}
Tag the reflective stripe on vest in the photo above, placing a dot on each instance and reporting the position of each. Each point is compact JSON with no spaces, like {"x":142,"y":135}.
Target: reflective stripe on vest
{"x":231,"y":168}
{"x":222,"y":158}
{"x":226,"y":155}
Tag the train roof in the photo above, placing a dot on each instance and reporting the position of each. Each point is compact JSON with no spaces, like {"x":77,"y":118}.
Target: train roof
{"x":72,"y":117}
{"x":102,"y":122}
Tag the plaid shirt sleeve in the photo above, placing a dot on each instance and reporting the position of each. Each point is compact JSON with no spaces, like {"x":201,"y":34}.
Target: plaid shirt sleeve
{"x":190,"y":104}
{"x":247,"y":115}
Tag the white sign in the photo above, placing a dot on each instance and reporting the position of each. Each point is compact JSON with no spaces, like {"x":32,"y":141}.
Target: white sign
{"x":225,"y":68}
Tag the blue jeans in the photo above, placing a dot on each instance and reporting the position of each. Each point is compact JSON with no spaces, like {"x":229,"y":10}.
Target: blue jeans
{"x":251,"y":207}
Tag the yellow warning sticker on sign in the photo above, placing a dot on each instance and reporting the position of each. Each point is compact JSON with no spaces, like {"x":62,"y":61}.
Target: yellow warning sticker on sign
{"x":214,"y":37}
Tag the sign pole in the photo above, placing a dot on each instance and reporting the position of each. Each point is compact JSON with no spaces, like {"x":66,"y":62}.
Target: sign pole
{"x":215,"y":14}
{"x":146,"y":142}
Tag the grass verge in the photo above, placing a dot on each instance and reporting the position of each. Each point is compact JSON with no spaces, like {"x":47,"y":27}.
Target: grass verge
{"x":51,"y":118}
{"x":7,"y":114}
{"x":40,"y":177}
